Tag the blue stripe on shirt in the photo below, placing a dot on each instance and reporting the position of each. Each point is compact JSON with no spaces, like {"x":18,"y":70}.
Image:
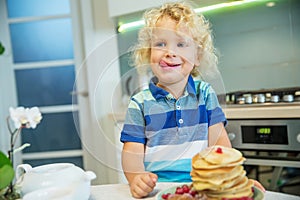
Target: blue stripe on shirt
{"x":167,"y":120}
{"x":160,"y":121}
{"x":172,"y":176}
{"x":216,"y":116}
{"x":132,"y":133}
{"x":176,"y":171}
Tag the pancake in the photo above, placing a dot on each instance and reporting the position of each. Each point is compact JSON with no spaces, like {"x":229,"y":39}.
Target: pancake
{"x":200,"y":163}
{"x":243,"y":183}
{"x":219,"y":178}
{"x":242,"y":192}
{"x":220,"y":155}
{"x":214,"y":172}
{"x":200,"y":185}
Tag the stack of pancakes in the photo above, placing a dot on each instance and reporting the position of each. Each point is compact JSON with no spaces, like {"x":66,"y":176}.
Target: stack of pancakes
{"x":218,"y":172}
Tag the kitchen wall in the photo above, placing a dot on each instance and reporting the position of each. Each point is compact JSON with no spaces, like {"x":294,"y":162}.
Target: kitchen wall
{"x":259,"y":46}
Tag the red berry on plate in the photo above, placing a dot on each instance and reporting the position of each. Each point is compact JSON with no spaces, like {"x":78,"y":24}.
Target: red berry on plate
{"x":179,"y":190}
{"x":165,"y":196}
{"x":193,"y":192}
{"x":185,"y":188}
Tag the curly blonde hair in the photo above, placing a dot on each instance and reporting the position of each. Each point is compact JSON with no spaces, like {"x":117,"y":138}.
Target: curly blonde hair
{"x":183,"y":14}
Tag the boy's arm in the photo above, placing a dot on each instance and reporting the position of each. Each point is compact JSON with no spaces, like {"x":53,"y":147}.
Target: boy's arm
{"x":141,"y":182}
{"x":133,"y":159}
{"x":217,"y":135}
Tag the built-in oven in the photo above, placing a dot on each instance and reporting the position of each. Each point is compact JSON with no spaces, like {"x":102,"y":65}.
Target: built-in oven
{"x":265,"y":134}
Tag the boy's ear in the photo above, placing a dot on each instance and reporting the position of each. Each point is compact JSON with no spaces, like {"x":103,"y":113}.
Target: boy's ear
{"x":198,"y":57}
{"x":197,"y":61}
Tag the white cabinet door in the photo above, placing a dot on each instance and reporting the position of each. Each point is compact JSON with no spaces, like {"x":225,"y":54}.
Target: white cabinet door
{"x":119,"y":146}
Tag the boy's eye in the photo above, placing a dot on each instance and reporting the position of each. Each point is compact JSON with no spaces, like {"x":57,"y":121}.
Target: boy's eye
{"x":160,"y":44}
{"x":182,"y":44}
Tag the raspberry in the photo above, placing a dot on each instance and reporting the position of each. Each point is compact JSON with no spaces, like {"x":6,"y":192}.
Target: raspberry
{"x":185,"y":188}
{"x":219,"y":150}
{"x":193,"y":193}
{"x":165,"y":196}
{"x":179,"y":190}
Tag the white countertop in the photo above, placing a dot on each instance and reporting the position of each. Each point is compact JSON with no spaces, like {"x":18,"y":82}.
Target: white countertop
{"x":121,"y":192}
{"x":251,"y":111}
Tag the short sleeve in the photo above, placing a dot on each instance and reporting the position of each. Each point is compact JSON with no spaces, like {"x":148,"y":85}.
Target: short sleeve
{"x":215,"y":112}
{"x":134,"y":125}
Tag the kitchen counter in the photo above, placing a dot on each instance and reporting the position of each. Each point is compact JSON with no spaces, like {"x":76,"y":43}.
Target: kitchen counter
{"x":266,"y":110}
{"x":245,"y":111}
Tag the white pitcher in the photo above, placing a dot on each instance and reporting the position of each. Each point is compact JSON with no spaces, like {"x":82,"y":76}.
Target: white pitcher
{"x":63,"y":175}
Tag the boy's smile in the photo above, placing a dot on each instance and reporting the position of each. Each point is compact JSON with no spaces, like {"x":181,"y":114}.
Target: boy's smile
{"x":163,"y":63}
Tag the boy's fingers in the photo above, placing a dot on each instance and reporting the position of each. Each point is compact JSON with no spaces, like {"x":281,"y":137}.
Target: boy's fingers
{"x":137,"y":192}
{"x":153,"y":177}
{"x":149,"y":181}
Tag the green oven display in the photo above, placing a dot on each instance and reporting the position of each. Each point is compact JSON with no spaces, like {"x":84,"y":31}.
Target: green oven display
{"x":263,"y":131}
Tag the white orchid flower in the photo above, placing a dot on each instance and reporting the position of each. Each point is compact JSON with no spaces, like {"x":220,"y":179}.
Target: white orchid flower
{"x":33,"y":116}
{"x":29,"y":117}
{"x":18,"y":116}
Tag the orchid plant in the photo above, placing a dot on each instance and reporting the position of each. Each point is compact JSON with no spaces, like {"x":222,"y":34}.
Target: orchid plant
{"x":21,"y":118}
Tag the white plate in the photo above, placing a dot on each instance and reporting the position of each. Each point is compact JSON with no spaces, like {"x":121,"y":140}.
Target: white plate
{"x":258,"y":194}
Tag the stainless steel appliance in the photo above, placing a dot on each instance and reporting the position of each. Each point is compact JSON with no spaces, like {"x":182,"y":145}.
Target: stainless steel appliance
{"x":265,"y":134}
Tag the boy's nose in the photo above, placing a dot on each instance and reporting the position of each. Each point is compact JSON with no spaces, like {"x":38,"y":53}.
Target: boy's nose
{"x":170,"y":53}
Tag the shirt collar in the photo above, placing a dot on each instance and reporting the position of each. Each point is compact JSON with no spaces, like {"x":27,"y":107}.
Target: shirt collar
{"x":158,"y":92}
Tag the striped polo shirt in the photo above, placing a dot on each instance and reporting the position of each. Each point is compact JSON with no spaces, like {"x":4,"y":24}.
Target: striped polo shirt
{"x":173,"y":131}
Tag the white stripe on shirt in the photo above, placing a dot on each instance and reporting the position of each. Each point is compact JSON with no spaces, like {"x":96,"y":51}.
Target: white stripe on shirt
{"x":174,"y":152}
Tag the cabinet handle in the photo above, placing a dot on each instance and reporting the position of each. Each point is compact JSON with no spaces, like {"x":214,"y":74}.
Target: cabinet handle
{"x":80,"y":93}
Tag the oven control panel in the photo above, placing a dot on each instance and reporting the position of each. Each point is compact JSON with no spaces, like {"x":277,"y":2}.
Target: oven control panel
{"x":264,"y":134}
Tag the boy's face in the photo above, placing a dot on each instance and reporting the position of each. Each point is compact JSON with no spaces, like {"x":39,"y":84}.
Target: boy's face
{"x":173,"y":52}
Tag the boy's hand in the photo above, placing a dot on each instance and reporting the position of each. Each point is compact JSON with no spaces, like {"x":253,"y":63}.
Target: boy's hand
{"x":259,"y":185}
{"x":143,"y":184}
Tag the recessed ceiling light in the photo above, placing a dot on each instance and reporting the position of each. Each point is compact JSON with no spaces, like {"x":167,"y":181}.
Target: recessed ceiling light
{"x":270,"y":4}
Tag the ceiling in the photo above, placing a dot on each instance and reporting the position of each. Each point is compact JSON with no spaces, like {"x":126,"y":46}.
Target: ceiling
{"x":195,"y":3}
